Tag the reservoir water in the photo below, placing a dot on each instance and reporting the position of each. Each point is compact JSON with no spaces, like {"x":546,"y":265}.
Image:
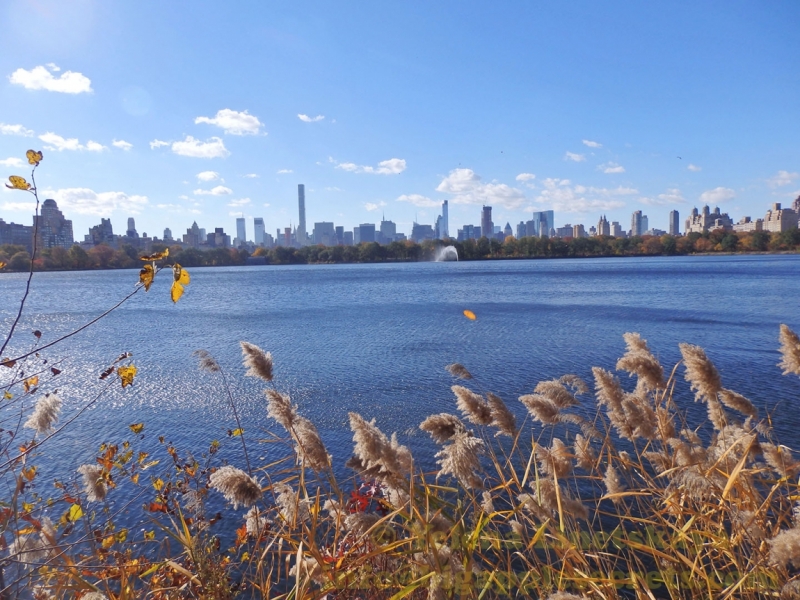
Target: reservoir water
{"x":376,"y":338}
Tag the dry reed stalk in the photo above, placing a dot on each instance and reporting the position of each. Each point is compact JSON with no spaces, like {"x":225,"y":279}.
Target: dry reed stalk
{"x":555,"y":391}
{"x":639,"y":361}
{"x":555,"y":460}
{"x":442,"y":427}
{"x":790,"y":351}
{"x":258,"y":362}
{"x":45,"y":414}
{"x":784,"y":548}
{"x":610,"y":394}
{"x":93,"y":485}
{"x":472,"y":406}
{"x":377,"y":456}
{"x":584,"y":455}
{"x":460,"y":458}
{"x":206,"y":361}
{"x":236,"y":485}
{"x":458,"y":370}
{"x":738,"y":402}
{"x":541,"y":408}
{"x":502,"y":418}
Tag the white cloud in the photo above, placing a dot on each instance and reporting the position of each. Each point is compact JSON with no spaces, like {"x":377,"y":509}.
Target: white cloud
{"x":694,"y":168}
{"x":252,"y":176}
{"x":177,"y":208}
{"x":418,"y":200}
{"x":782,"y":178}
{"x":671,"y":196}
{"x":333,"y":189}
{"x":220,"y":190}
{"x":467,"y":188}
{"x":717,"y":195}
{"x":122,"y":144}
{"x":208,"y":176}
{"x":85,"y":201}
{"x":285,"y":171}
{"x":266,"y":204}
{"x":12,"y":162}
{"x":612,"y":167}
{"x":213,"y":148}
{"x":307,"y":119}
{"x":574,"y":157}
{"x":15,"y":130}
{"x":158,"y":144}
{"x":233,"y":122}
{"x":53,"y":67}
{"x":525,"y":177}
{"x":370,"y":206}
{"x":393,"y":166}
{"x":592,"y":144}
{"x":39,"y":78}
{"x":26,"y":207}
{"x":562,"y":196}
{"x":59,"y":143}
{"x":240,"y":202}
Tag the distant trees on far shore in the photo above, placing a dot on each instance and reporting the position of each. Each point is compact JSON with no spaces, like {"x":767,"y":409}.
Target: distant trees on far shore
{"x":127,"y":257}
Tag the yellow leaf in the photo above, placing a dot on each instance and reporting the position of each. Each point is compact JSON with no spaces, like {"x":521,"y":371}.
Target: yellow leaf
{"x":149,"y":535}
{"x":152,"y":463}
{"x":470,"y":315}
{"x":26,"y":531}
{"x":126,"y":375}
{"x":155,"y":255}
{"x":158,"y":484}
{"x":236,"y":432}
{"x":180,"y":278}
{"x":29,"y":473}
{"x":135,"y":478}
{"x":7,"y":395}
{"x":27,"y":507}
{"x":2,"y":264}
{"x":34,"y":157}
{"x":108,"y":541}
{"x":136,"y":428}
{"x":146,"y":276}
{"x":18,"y":183}
{"x":176,"y":292}
{"x":75,"y":512}
{"x":30,"y":383}
{"x":122,"y":535}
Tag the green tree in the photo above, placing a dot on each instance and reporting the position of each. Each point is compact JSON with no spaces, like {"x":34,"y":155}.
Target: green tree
{"x":78,"y":258}
{"x":21,"y":261}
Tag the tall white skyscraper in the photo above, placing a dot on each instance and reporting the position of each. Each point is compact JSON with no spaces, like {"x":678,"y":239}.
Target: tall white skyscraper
{"x":444,"y":227}
{"x":300,"y":232}
{"x":258,"y":231}
{"x":241,"y":232}
{"x":674,"y":223}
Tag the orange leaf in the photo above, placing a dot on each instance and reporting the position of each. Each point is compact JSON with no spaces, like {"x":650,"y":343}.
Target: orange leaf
{"x":470,"y":315}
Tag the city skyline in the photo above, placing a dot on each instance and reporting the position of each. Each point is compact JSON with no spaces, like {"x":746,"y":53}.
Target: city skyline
{"x":588,"y":117}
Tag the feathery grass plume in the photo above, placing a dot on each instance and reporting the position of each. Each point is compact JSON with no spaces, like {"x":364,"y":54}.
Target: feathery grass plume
{"x":701,"y":372}
{"x":659,"y":460}
{"x":472,"y":406}
{"x":541,"y":409}
{"x":738,"y":402}
{"x":610,"y":394}
{"x":545,"y":505}
{"x":442,"y":427}
{"x":460,"y":458}
{"x":436,"y":587}
{"x":27,"y":549}
{"x":192,"y":502}
{"x":613,"y":483}
{"x":639,"y":361}
{"x":360,"y":523}
{"x":577,"y":384}
{"x":666,"y":424}
{"x":584,"y":455}
{"x":387,"y":461}
{"x":487,"y":503}
{"x":206,"y":361}
{"x":258,"y":362}
{"x":292,"y":508}
{"x":280,"y":408}
{"x":45,"y":414}
{"x":555,"y":391}
{"x":691,"y":436}
{"x":555,"y":459}
{"x":716,"y":414}
{"x":236,"y":485}
{"x":517,"y":527}
{"x":94,"y":596}
{"x":565,"y":596}
{"x":790,"y":351}
{"x":256,"y":522}
{"x":308,"y":445}
{"x":784,"y":548}
{"x":93,"y":485}
{"x":692,"y":482}
{"x":780,"y":459}
{"x":309,"y":569}
{"x":791,"y":590}
{"x":458,"y":370}
{"x":641,"y":416}
{"x":745,"y":520}
{"x":502,"y":418}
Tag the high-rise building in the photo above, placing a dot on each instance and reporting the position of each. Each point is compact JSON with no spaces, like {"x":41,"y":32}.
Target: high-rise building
{"x":507,"y":231}
{"x":674,"y":223}
{"x":241,"y":232}
{"x":616,"y":229}
{"x":578,"y":231}
{"x":194,"y":236}
{"x":388,"y":231}
{"x":364,"y":233}
{"x":168,"y":235}
{"x":522,"y":230}
{"x":340,"y":235}
{"x":301,"y":226}
{"x":603,"y":228}
{"x":53,"y":230}
{"x":541,"y":223}
{"x":780,"y":219}
{"x":102,"y":234}
{"x":487,"y":226}
{"x":258,"y":231}
{"x":636,"y":223}
{"x":19,"y":235}
{"x":324,"y":233}
{"x":645,"y":224}
{"x":444,"y":225}
{"x":131,"y":232}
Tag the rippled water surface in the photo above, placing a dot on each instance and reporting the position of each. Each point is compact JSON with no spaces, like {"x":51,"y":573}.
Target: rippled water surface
{"x":376,"y":338}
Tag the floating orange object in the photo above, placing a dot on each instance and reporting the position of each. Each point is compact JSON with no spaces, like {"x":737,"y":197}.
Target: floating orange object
{"x":470,"y":315}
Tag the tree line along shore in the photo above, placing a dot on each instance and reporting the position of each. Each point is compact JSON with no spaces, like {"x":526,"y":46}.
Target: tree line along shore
{"x":126,"y":257}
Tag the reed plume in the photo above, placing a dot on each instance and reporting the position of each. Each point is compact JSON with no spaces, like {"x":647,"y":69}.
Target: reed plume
{"x":45,"y":414}
{"x":94,"y":596}
{"x":258,"y":362}
{"x":280,"y":408}
{"x":292,"y":507}
{"x":502,"y":418}
{"x":256,"y":522}
{"x":458,"y":370}
{"x":610,"y":394}
{"x":377,"y":456}
{"x":738,"y":402}
{"x":555,"y":391}
{"x":93,"y":485}
{"x":442,"y":427}
{"x":790,"y":351}
{"x":472,"y":406}
{"x":584,"y":455}
{"x":554,"y":460}
{"x":613,"y":483}
{"x":784,"y":548}
{"x":206,"y":361}
{"x":460,"y":458}
{"x":236,"y":485}
{"x":541,"y":408}
{"x":701,"y":372}
{"x":639,"y":361}
{"x":487,"y":502}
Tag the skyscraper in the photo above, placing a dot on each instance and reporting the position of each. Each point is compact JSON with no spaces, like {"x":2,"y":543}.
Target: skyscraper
{"x":636,"y":223}
{"x":258,"y":231}
{"x":444,"y":226}
{"x":674,"y":223}
{"x":300,"y":232}
{"x":53,"y":230}
{"x":131,"y":232}
{"x":487,"y":227}
{"x":241,"y":232}
{"x":603,"y":227}
{"x":542,"y":222}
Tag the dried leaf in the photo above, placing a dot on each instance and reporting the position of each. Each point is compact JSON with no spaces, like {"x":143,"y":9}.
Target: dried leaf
{"x":136,"y":428}
{"x":126,"y":375}
{"x":18,"y":183}
{"x":75,"y":512}
{"x":180,"y":278}
{"x":155,"y":256}
{"x":34,"y":157}
{"x":146,"y":276}
{"x":30,"y":383}
{"x":38,"y":334}
{"x":55,"y":371}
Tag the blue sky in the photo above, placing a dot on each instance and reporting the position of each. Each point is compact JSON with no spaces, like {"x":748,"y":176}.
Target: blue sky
{"x":172,"y":112}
